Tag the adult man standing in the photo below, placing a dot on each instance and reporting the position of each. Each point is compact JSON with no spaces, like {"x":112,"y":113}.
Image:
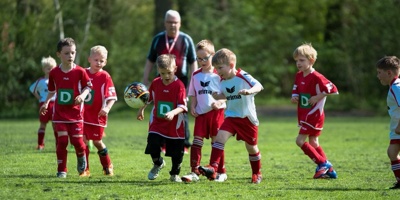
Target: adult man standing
{"x":180,"y":44}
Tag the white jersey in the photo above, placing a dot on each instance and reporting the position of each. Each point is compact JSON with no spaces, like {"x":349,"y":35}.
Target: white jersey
{"x":202,"y":85}
{"x":393,"y":103}
{"x":240,"y":106}
{"x":40,"y":86}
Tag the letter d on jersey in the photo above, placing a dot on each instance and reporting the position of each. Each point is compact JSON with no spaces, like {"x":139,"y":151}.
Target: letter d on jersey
{"x":64,"y":96}
{"x":304,"y":101}
{"x":163,"y":107}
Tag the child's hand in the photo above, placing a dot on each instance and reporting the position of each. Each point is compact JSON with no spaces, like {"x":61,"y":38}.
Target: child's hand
{"x":193,"y":112}
{"x":79,"y":99}
{"x":140,"y":114}
{"x":244,"y":92}
{"x":216,"y":105}
{"x":104,"y":111}
{"x":295,"y":99}
{"x":43,"y":109}
{"x":169,"y":116}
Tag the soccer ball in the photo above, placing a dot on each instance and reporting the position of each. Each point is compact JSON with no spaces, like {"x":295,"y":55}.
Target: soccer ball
{"x":136,"y":95}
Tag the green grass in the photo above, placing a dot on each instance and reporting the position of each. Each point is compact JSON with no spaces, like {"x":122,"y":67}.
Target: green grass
{"x":356,"y":147}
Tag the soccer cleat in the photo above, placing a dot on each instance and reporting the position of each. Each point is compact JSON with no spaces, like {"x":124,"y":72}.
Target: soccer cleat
{"x":40,"y":147}
{"x":153,"y":174}
{"x":221,"y":177}
{"x":85,"y":173}
{"x":192,"y":177}
{"x":175,"y":178}
{"x":81,"y":164}
{"x":256,"y":178}
{"x":109,"y":171}
{"x":331,"y":173}
{"x":61,"y":174}
{"x":208,"y":171}
{"x":395,"y":186}
{"x":322,"y":169}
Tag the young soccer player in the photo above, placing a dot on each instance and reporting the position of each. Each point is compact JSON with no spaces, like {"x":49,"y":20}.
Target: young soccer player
{"x":208,"y":113}
{"x":40,"y":91}
{"x":166,"y":125}
{"x":72,"y":85}
{"x":388,"y":69}
{"x":238,"y":88}
{"x":97,"y":106}
{"x":309,"y":93}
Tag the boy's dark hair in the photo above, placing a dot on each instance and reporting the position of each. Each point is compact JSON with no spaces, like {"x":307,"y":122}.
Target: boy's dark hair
{"x":389,"y":63}
{"x":65,"y":42}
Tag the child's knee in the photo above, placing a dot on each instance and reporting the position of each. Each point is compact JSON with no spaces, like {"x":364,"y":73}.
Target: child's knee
{"x":62,"y":141}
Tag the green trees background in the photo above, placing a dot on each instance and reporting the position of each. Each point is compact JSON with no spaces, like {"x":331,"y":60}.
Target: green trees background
{"x":349,"y":35}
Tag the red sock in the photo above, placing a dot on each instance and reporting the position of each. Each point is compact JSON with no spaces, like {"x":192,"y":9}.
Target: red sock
{"x":312,"y":153}
{"x":321,"y":152}
{"x":62,"y":153}
{"x":216,"y":154}
{"x":255,"y":162}
{"x":104,"y":158}
{"x":87,"y":151}
{"x":41,"y":133}
{"x":195,"y":154}
{"x":55,"y":137}
{"x":396,"y":169}
{"x":221,"y":165}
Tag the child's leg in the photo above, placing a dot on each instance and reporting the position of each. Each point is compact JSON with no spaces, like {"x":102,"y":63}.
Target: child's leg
{"x":393,"y":154}
{"x":315,"y":143}
{"x":310,"y":151}
{"x":103,"y":153}
{"x":195,"y":153}
{"x":87,"y":151}
{"x":218,"y":147}
{"x":254,"y":157}
{"x":41,"y":132}
{"x":55,"y":133}
{"x":61,"y":151}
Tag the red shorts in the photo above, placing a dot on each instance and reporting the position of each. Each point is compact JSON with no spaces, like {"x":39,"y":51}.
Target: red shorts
{"x":93,"y":132}
{"x":242,"y":128}
{"x":307,"y":130}
{"x":395,"y":141}
{"x":207,"y":125}
{"x":75,"y":128}
{"x":49,"y":114}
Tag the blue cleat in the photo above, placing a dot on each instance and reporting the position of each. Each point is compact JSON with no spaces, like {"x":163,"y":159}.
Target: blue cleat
{"x":322,"y":169}
{"x":331,"y":173}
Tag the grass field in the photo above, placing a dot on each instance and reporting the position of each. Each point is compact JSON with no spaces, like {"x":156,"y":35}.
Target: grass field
{"x":356,"y":147}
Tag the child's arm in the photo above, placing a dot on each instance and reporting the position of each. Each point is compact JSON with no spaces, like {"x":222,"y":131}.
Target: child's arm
{"x":255,"y":89}
{"x":104,"y":111}
{"x":193,"y":104}
{"x":43,"y":108}
{"x":171,"y":114}
{"x":140,"y":114}
{"x":218,"y":104}
{"x":397,"y":130}
{"x":314,"y":99}
{"x":80,"y":98}
{"x":218,"y":96}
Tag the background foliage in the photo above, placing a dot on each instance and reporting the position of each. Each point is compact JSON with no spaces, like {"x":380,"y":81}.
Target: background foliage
{"x":349,"y":35}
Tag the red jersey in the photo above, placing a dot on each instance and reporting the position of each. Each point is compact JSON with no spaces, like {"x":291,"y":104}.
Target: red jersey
{"x":103,"y":90}
{"x":165,"y":99}
{"x":306,"y":87}
{"x":68,"y":85}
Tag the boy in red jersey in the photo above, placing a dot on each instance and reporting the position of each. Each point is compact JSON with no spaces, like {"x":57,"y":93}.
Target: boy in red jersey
{"x":309,"y":93}
{"x":166,"y":124}
{"x":97,"y":106}
{"x":238,"y":88}
{"x":72,"y":85}
{"x":208,"y":112}
{"x":388,"y":69}
{"x":40,"y":91}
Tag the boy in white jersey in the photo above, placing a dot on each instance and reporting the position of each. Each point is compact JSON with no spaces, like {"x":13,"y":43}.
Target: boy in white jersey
{"x":40,"y":91}
{"x":388,"y":69}
{"x":209,"y":113}
{"x":238,"y":88}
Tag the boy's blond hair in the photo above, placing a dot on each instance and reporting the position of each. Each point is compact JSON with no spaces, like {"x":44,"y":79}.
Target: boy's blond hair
{"x":166,"y":61}
{"x":224,"y":56}
{"x":206,"y":45}
{"x":306,"y":50}
{"x":391,"y":63}
{"x":99,"y":49}
{"x":48,"y":61}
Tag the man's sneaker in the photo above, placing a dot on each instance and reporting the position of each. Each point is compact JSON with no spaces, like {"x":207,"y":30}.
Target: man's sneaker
{"x":85,"y":173}
{"x":153,"y":174}
{"x":81,"y":164}
{"x":192,"y":177}
{"x":40,"y":147}
{"x":175,"y":178}
{"x":331,"y":173}
{"x":208,"y":171}
{"x":322,"y":169}
{"x":256,"y":178}
{"x":109,"y":171}
{"x":221,"y":177}
{"x":61,"y":174}
{"x":395,"y":186}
